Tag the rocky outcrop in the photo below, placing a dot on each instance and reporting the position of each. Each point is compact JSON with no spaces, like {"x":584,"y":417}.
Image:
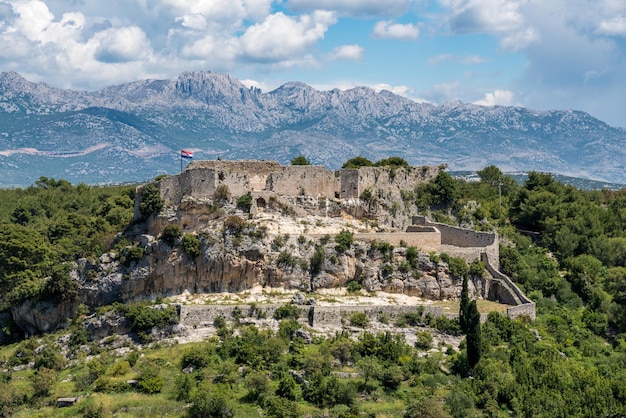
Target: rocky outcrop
{"x":42,"y":316}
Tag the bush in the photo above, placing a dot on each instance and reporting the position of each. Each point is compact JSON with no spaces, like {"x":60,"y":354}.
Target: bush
{"x":210,"y":401}
{"x":289,"y":311}
{"x":424,"y":340}
{"x":170,"y":234}
{"x":197,"y":358}
{"x":353,"y":286}
{"x":191,"y":245}
{"x":344,"y":240}
{"x":300,"y":160}
{"x":131,"y":254}
{"x":359,"y":319}
{"x":235,"y":224}
{"x":244,"y":202}
{"x":151,"y":201}
{"x":221,"y":193}
{"x":317,"y":260}
{"x":458,"y":266}
{"x":477,"y":268}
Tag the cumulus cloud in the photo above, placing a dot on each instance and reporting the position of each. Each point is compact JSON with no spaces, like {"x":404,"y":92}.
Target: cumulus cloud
{"x":501,"y":17}
{"x":346,"y":52}
{"x":497,"y":98}
{"x":279,"y":37}
{"x":388,"y":30}
{"x":122,"y":45}
{"x":613,"y":27}
{"x":354,"y":7}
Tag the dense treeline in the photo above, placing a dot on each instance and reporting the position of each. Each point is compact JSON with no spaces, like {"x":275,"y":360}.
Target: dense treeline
{"x":53,"y":222}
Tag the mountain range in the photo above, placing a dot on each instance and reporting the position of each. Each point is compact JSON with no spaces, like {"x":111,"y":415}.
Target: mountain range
{"x":132,"y":132}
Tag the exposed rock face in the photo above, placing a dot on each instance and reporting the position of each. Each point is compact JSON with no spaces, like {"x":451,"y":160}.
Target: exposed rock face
{"x":42,"y":316}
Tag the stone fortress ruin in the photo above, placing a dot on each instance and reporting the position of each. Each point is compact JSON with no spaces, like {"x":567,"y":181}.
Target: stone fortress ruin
{"x":303,"y":191}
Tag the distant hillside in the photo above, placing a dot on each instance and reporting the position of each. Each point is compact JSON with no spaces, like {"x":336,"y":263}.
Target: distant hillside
{"x":134,"y":131}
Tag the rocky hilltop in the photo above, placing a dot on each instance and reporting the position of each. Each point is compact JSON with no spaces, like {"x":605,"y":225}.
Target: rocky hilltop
{"x":134,"y":131}
{"x":233,"y":226}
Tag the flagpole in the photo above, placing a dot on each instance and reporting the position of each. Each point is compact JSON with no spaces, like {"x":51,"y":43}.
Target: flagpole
{"x":181,"y":161}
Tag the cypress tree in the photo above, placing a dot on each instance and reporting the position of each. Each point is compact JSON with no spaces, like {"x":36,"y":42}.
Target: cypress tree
{"x":463,"y":310}
{"x":474,"y":336}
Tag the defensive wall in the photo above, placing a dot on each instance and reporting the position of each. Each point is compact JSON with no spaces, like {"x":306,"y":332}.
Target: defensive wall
{"x":460,"y":242}
{"x":426,"y":241}
{"x":313,"y":316}
{"x":316,"y":317}
{"x":201,"y":179}
{"x":505,"y":291}
{"x":354,"y":181}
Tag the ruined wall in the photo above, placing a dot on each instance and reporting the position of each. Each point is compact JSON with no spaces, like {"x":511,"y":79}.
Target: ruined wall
{"x":313,"y":316}
{"x":386,"y":180}
{"x":426,"y":241}
{"x":464,"y":243}
{"x":303,"y":180}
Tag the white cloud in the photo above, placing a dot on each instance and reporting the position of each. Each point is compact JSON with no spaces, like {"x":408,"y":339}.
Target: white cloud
{"x":388,"y":30}
{"x":193,"y":21}
{"x":346,"y":52}
{"x":354,"y":7}
{"x":497,"y":98}
{"x":122,"y":45}
{"x":613,"y":27}
{"x":467,"y":59}
{"x":280,"y":37}
{"x":505,"y":18}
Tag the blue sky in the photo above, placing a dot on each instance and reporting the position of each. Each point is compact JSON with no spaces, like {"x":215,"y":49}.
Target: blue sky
{"x":542,"y":54}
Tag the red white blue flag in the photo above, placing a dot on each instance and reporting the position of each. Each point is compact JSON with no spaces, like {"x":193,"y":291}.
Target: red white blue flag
{"x":186,"y":154}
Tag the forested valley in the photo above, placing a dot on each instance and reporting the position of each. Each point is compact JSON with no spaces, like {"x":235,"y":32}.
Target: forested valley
{"x":566,"y":248}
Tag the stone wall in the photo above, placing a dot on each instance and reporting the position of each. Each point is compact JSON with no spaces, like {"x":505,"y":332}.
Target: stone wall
{"x":464,"y":243}
{"x":303,"y":180}
{"x":384,"y":179}
{"x":313,"y":316}
{"x":426,"y":241}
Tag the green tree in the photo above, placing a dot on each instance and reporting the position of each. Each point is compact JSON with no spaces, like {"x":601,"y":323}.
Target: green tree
{"x":300,"y":160}
{"x":473,"y":336}
{"x":357,"y":162}
{"x":442,"y":189}
{"x":151,"y":201}
{"x":464,"y":307}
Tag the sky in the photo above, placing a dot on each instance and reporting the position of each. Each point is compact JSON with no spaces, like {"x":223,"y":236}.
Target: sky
{"x":542,"y":54}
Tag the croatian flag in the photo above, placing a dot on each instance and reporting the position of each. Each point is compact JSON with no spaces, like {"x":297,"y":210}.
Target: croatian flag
{"x":186,"y":154}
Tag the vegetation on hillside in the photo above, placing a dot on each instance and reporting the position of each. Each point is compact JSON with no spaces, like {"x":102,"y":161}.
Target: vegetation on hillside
{"x":566,"y":248}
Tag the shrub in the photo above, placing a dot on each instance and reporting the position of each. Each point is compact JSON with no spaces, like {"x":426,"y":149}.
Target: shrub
{"x":477,"y":268}
{"x":244,"y":202}
{"x":344,"y":240}
{"x":191,"y":245}
{"x":458,"y":267}
{"x":170,"y":234}
{"x":235,"y":224}
{"x":424,"y":340}
{"x":353,"y":286}
{"x":131,"y":254}
{"x":359,"y":319}
{"x":317,"y":260}
{"x":300,"y":160}
{"x":221,"y":192}
{"x":289,"y":311}
{"x":151,"y":201}
{"x":357,"y":162}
